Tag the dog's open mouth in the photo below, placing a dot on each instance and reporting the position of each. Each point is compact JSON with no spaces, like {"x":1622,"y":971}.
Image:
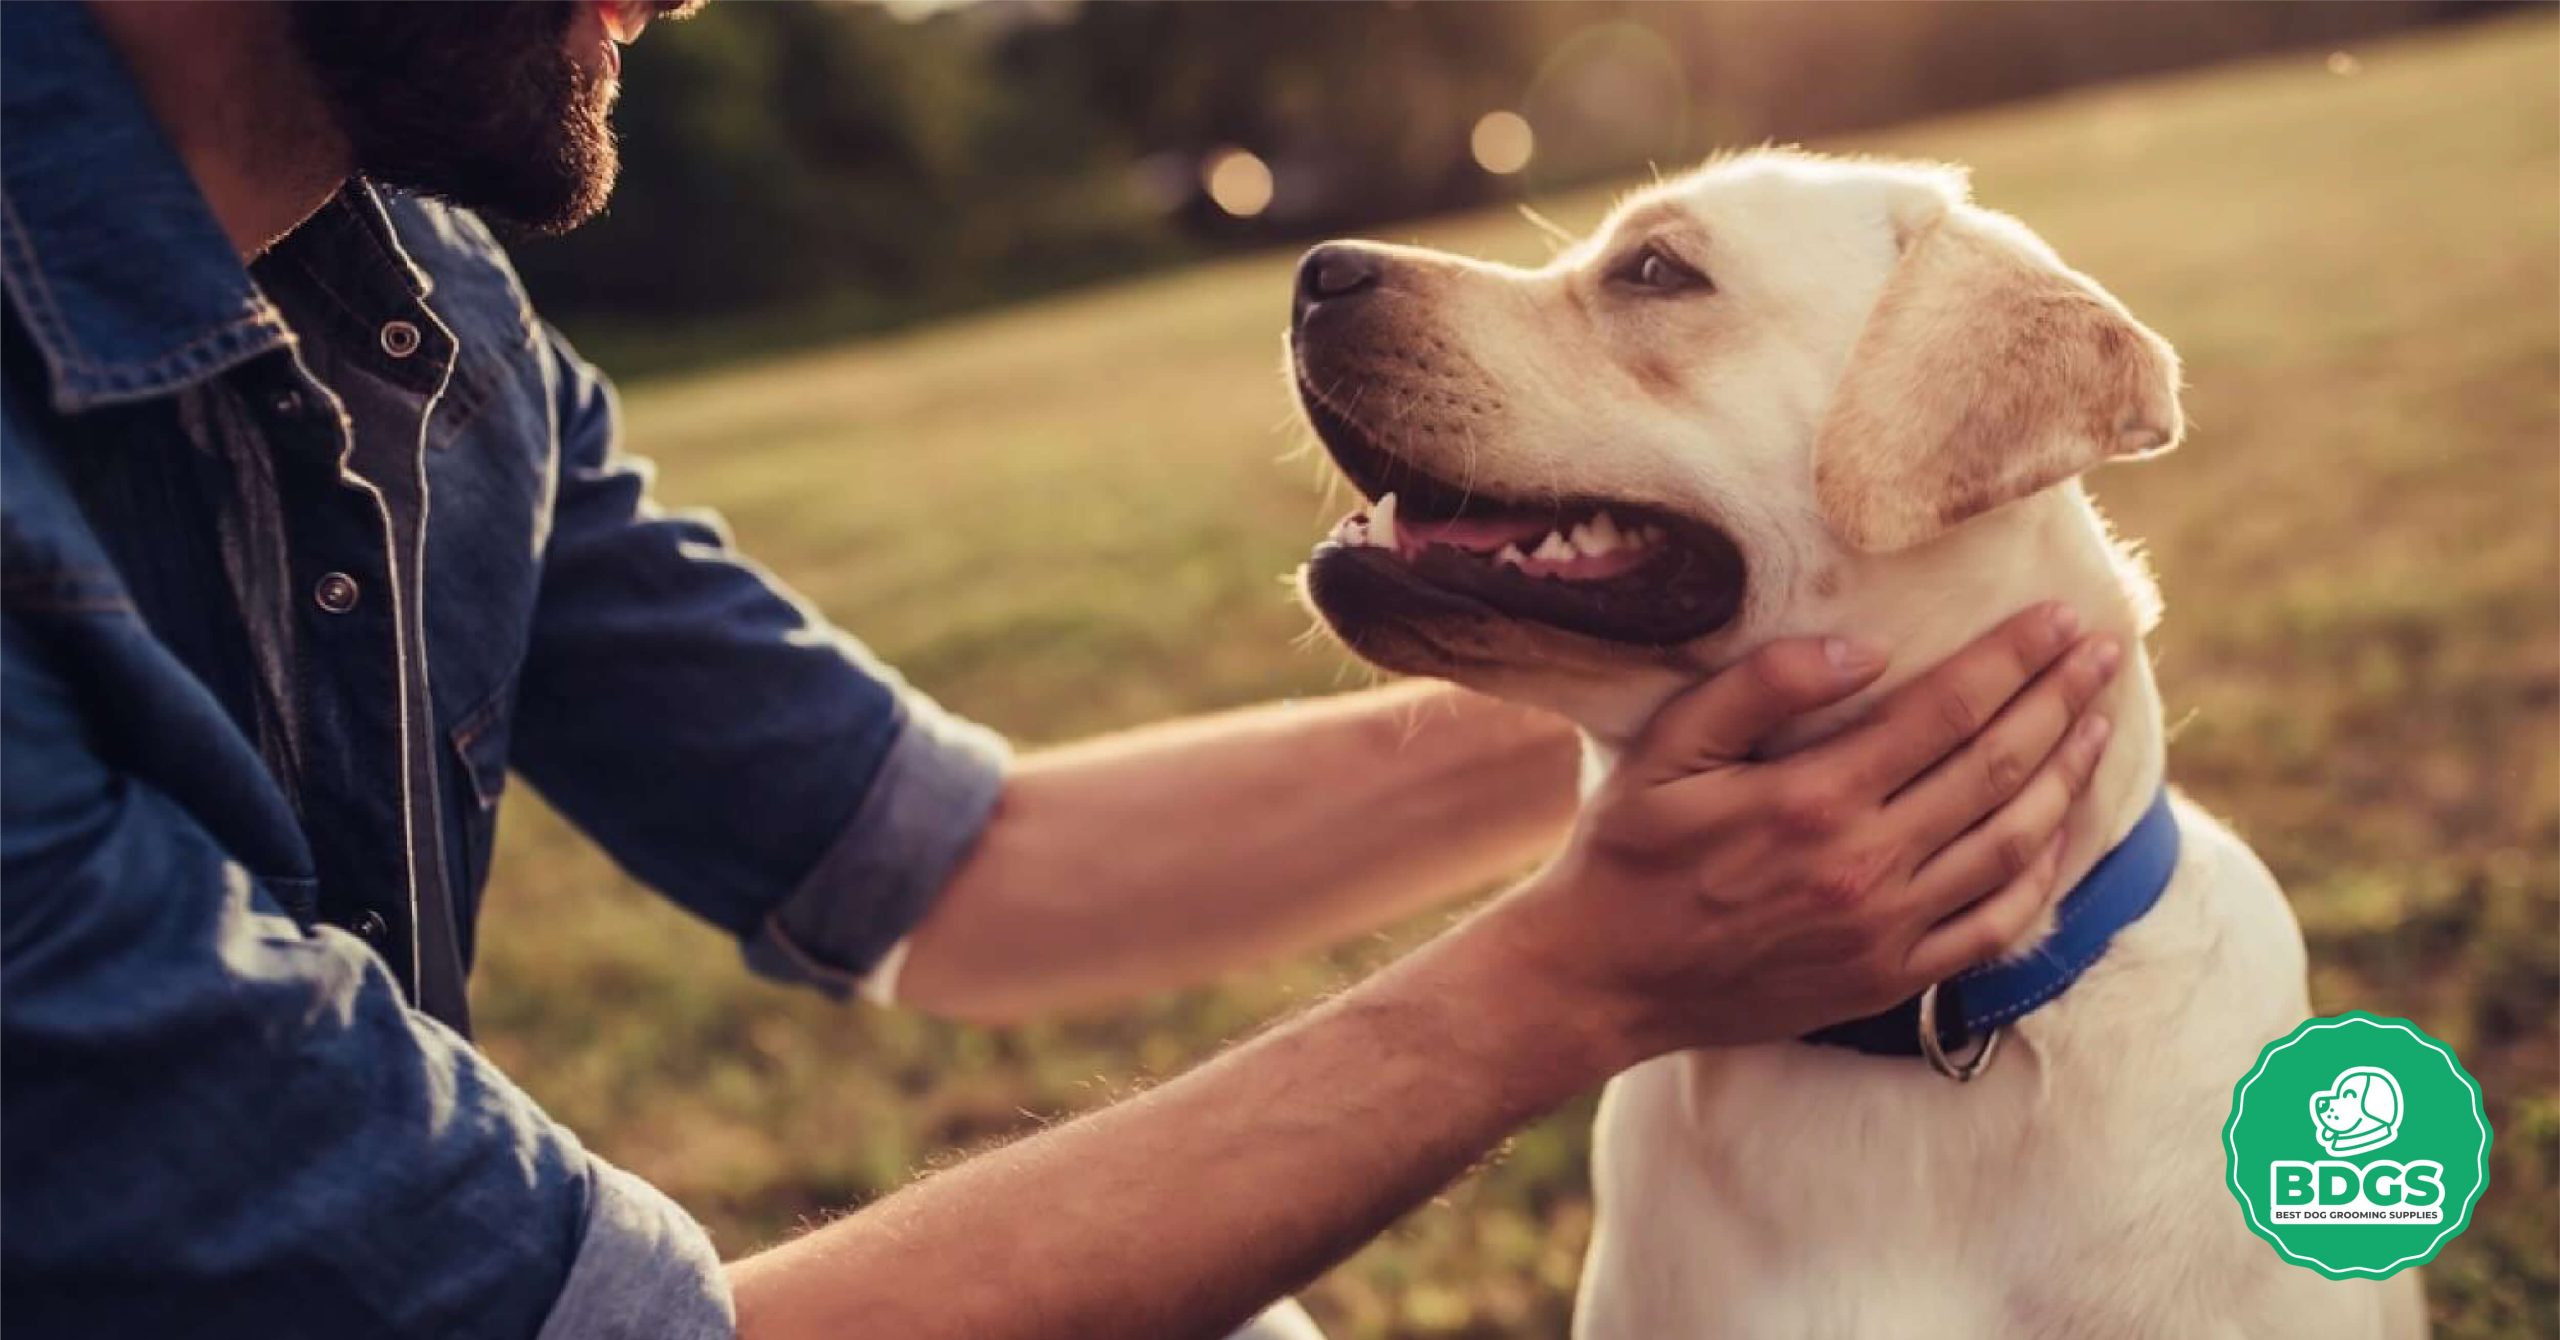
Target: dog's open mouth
{"x":1604,"y":568}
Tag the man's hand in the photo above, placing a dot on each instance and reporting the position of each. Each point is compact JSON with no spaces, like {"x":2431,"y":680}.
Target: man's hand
{"x":1703,"y":900}
{"x":1707,"y":900}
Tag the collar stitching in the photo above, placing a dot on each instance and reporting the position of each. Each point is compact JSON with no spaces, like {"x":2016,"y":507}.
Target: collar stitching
{"x":79,"y":382}
{"x":42,"y":313}
{"x":2029,"y":1005}
{"x":2062,"y":916}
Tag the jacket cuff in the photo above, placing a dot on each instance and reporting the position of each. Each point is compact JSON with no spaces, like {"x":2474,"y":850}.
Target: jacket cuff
{"x":644,"y":1269}
{"x":843,"y":930}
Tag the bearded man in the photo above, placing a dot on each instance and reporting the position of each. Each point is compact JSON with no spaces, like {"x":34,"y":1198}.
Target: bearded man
{"x":314,"y":533}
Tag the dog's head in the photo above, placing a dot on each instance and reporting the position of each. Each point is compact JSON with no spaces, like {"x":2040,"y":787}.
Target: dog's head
{"x":2360,"y":1110}
{"x":2340,"y":1112}
{"x":1590,"y":482}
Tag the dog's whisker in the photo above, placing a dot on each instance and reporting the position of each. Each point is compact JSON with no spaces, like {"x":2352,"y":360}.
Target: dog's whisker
{"x":1558,"y":236}
{"x":1467,"y":482}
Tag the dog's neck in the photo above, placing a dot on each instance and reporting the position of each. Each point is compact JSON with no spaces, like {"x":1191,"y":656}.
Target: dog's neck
{"x":1926,"y":603}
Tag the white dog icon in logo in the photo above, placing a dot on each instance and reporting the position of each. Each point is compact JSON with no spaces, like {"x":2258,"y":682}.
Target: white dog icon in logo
{"x":2360,"y":1111}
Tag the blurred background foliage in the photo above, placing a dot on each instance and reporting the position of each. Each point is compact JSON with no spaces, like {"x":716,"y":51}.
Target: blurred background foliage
{"x":826,"y":168}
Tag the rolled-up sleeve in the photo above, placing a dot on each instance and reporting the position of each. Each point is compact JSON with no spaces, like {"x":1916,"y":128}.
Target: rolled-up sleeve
{"x":644,"y":1269}
{"x":719,"y":738}
{"x":219,"y":1122}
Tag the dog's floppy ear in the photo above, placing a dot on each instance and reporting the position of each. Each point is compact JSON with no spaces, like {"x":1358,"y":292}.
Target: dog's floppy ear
{"x":1988,"y":371}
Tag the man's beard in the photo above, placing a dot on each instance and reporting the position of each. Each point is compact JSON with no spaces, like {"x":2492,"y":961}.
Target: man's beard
{"x":479,"y":104}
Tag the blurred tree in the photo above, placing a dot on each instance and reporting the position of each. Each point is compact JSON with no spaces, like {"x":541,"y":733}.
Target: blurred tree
{"x":861,"y":164}
{"x":775,"y":152}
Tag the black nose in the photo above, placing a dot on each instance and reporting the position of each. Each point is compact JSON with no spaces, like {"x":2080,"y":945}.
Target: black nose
{"x":1332,"y":272}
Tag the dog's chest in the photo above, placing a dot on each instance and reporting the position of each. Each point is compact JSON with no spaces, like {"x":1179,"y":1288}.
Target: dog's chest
{"x":1832,"y":1200}
{"x":1796,"y":1190}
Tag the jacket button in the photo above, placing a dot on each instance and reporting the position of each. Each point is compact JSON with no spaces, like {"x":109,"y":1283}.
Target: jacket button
{"x":288,"y":404}
{"x":370,"y":925}
{"x":336,"y":593}
{"x":400,"y":338}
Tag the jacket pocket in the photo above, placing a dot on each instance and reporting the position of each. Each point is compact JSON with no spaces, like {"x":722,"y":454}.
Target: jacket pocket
{"x":480,"y":769}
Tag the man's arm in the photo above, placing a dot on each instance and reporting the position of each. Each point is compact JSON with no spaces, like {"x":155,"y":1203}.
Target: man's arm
{"x":1164,"y":856}
{"x":739,"y":755}
{"x":220,"y":1122}
{"x":1183,"y":1211}
{"x":1701,"y":902}
{"x":716,"y":736}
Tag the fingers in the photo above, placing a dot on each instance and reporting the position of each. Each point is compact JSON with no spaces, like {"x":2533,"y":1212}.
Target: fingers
{"x":2000,"y":850}
{"x":1981,"y":932}
{"x":1721,"y":720}
{"x":1980,"y":777}
{"x":1924,"y":720}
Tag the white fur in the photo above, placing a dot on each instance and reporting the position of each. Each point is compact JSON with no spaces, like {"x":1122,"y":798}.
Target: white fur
{"x":2076,"y":1189}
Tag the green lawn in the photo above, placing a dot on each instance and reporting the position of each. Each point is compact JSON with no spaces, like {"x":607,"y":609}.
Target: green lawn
{"x":1075,"y":515}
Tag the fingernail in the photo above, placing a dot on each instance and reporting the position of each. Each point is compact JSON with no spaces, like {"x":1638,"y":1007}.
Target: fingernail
{"x":2062,"y":620}
{"x":2105,"y":654}
{"x":1851,"y":656}
{"x":2093,"y":731}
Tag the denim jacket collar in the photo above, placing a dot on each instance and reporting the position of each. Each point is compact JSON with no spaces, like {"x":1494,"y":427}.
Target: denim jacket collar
{"x":89,"y":188}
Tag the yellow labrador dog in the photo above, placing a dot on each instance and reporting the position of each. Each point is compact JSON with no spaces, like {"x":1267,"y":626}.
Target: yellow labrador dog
{"x":1789,"y":395}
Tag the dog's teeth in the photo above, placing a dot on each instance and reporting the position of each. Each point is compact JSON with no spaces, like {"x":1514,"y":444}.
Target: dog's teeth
{"x":1554,"y":549}
{"x":1511,"y":557}
{"x":1594,"y":541}
{"x":1382,"y":522}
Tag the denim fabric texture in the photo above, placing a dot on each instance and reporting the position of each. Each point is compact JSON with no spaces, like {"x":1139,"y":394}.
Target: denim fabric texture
{"x":300,"y":561}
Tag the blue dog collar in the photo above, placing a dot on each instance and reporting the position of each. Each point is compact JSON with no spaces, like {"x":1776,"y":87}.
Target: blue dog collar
{"x":1972,"y":1005}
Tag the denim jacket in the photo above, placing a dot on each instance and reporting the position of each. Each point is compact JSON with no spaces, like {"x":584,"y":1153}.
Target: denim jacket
{"x":300,"y":560}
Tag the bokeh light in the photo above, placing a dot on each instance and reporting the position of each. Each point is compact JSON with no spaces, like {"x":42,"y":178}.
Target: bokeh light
{"x":1238,"y":182}
{"x":1614,"y":97}
{"x":1502,"y":142}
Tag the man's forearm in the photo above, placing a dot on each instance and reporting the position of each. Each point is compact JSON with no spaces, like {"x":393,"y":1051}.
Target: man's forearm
{"x":1181,"y":1212}
{"x":1693,"y":906}
{"x":1164,"y":856}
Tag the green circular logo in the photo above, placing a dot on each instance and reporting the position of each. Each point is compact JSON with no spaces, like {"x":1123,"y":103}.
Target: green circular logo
{"x":2357,"y":1146}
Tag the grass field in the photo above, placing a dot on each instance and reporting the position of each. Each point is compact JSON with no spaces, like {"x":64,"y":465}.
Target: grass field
{"x":1075,"y":515}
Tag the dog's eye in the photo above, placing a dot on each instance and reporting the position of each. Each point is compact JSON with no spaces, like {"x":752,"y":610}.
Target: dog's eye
{"x":1657,"y":271}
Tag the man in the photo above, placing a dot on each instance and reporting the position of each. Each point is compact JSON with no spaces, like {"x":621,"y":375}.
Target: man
{"x":313,"y":533}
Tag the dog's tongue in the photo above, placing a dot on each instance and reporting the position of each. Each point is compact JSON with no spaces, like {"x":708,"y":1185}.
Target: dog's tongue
{"x":1476,"y":534}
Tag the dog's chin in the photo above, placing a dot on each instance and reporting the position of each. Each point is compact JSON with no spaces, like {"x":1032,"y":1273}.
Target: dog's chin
{"x":1386,"y":617}
{"x":1397,"y":624}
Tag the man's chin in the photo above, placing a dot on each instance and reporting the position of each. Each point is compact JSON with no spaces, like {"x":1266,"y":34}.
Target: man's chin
{"x":549,"y":180}
{"x":483,"y":106}
{"x":540,"y":189}
{"x":572,"y":204}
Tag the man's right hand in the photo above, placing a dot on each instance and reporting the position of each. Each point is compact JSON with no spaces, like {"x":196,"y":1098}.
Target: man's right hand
{"x":1703,"y":900}
{"x":1706,"y":899}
